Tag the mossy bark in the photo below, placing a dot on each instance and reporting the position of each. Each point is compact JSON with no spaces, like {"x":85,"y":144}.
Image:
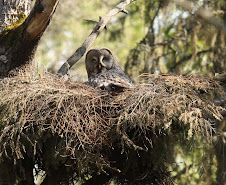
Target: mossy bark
{"x":18,"y":41}
{"x":11,"y":11}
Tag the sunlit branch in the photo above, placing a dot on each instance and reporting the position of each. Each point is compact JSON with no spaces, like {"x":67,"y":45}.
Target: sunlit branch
{"x":39,"y":18}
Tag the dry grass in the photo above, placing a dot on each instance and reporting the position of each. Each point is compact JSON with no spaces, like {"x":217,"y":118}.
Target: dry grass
{"x":91,"y":120}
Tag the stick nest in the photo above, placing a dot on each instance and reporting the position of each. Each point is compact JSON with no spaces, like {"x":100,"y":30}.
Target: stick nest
{"x":89,"y":122}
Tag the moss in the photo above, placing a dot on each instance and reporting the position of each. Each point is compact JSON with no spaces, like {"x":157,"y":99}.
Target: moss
{"x":12,"y":32}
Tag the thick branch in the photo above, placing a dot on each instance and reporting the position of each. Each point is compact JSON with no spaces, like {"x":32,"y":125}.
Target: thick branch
{"x":92,"y":37}
{"x":204,"y":13}
{"x":39,"y":18}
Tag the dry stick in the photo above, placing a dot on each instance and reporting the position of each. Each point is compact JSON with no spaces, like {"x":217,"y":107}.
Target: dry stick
{"x":94,"y":34}
{"x":204,"y":13}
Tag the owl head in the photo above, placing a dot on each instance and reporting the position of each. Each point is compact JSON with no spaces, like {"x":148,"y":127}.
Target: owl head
{"x":99,"y":60}
{"x":104,"y":71}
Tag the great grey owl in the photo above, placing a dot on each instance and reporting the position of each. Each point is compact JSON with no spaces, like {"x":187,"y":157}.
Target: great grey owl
{"x":104,"y":71}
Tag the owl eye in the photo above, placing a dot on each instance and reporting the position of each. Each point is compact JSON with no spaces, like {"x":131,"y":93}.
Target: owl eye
{"x":94,"y":60}
{"x":104,"y":60}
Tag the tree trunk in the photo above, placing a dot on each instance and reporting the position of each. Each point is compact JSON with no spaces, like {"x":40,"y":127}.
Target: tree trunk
{"x":19,"y":36}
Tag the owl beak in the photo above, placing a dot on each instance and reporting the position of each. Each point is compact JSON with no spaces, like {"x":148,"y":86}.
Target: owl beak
{"x":100,"y":66}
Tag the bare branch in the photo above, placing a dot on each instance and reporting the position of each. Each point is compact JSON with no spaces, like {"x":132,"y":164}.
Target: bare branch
{"x":204,"y":13}
{"x":92,"y":37}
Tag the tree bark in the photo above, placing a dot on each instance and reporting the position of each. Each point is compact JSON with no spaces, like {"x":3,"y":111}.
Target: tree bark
{"x":18,"y":42}
{"x":12,"y":10}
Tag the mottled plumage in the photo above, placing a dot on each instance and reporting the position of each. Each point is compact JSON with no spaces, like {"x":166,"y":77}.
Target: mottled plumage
{"x":104,"y":71}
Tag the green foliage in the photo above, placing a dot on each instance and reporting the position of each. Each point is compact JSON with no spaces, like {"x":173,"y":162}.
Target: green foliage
{"x":183,"y":42}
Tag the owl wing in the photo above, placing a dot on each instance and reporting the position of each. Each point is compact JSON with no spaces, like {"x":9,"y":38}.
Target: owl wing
{"x":111,"y":80}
